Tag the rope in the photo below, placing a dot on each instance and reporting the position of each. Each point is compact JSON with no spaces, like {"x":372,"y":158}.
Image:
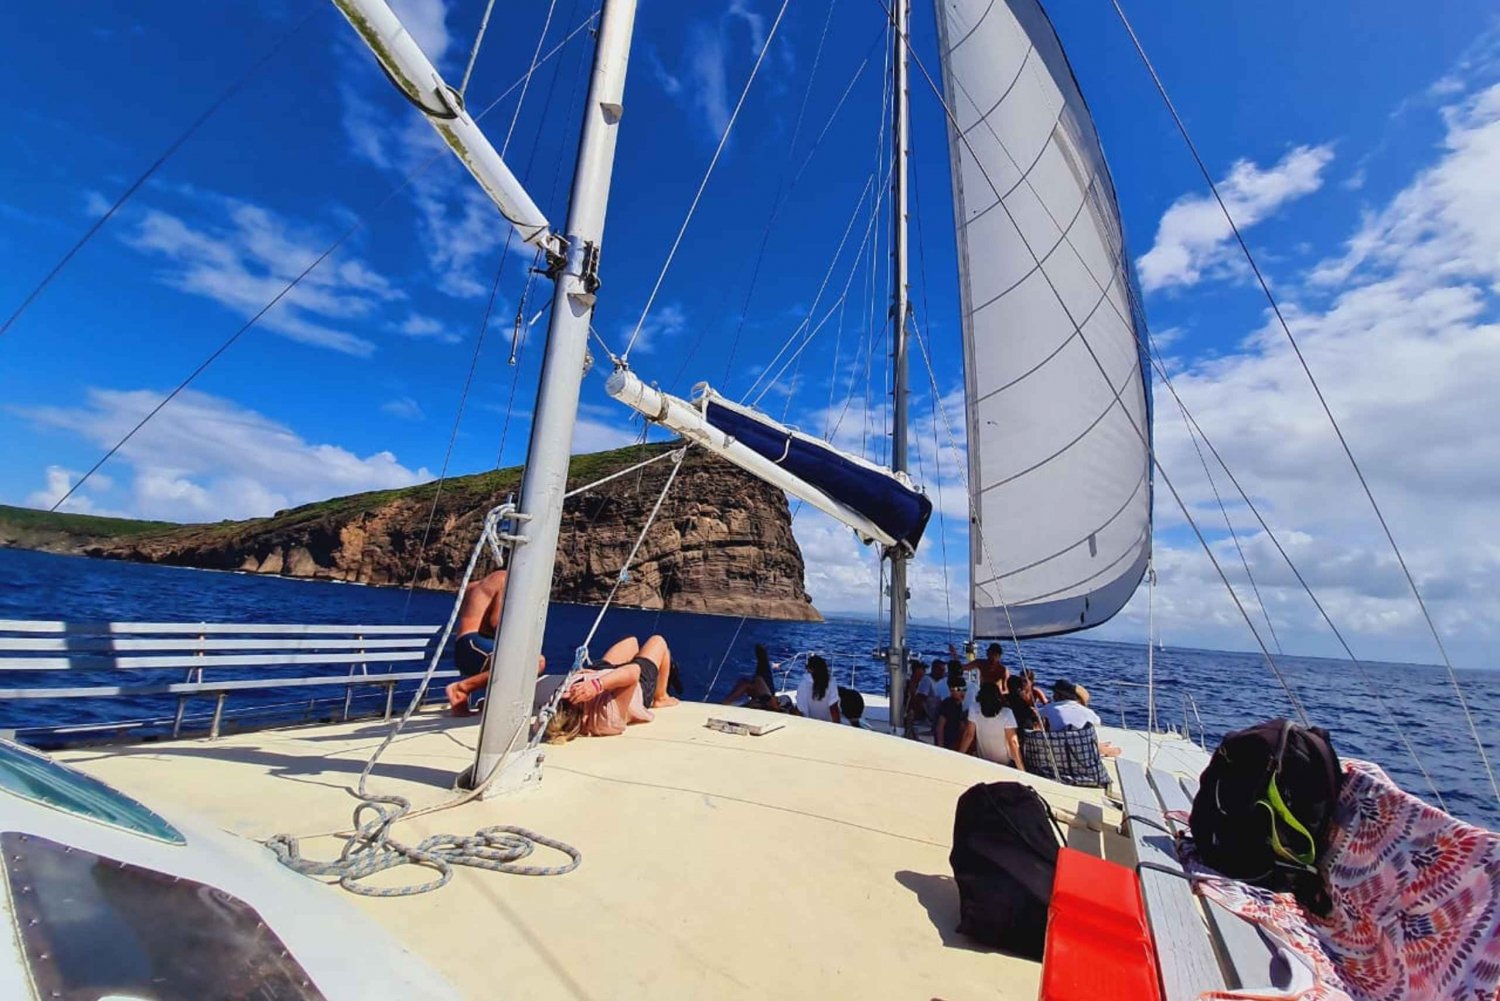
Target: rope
{"x":692,"y":208}
{"x":715,"y":679}
{"x":624,"y":575}
{"x":156,"y":165}
{"x":355,"y":227}
{"x":370,"y":848}
{"x":624,"y":472}
{"x":1322,"y":401}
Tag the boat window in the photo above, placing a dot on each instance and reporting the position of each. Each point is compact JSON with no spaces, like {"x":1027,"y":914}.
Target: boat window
{"x":36,"y":777}
{"x":95,"y":927}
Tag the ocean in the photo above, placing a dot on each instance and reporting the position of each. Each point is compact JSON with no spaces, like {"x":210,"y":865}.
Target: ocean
{"x":1229,"y":690}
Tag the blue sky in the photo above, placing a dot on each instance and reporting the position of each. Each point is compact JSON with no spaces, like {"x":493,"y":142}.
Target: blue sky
{"x":1359,"y":144}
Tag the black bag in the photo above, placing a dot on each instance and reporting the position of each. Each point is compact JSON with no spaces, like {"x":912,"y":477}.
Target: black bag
{"x":1239,"y":819}
{"x":1004,"y":858}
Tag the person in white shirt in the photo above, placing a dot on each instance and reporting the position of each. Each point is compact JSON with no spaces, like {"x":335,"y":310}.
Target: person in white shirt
{"x":995,"y":728}
{"x":922,"y":696}
{"x":1067,"y":708}
{"x":817,"y":695}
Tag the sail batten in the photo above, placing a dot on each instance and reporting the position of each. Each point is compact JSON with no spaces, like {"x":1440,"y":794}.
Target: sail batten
{"x":1057,"y":400}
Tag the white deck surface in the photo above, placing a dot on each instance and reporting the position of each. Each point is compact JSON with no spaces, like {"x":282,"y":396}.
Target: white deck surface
{"x":808,"y":862}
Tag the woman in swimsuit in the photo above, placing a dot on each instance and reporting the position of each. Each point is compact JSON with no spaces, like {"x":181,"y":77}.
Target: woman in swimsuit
{"x":629,"y":681}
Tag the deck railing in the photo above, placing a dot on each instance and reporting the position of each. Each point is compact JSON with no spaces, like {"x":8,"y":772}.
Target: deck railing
{"x":141,"y":662}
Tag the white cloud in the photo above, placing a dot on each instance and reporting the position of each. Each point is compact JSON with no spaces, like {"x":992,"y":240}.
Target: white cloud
{"x":664,"y":322}
{"x":601,"y":428}
{"x":59,"y":481}
{"x":460,"y":230}
{"x":244,"y":262}
{"x":204,"y":458}
{"x":427,"y":23}
{"x":423,"y":327}
{"x":403,"y":407}
{"x":1403,"y":331}
{"x":1193,"y":237}
{"x":701,"y":84}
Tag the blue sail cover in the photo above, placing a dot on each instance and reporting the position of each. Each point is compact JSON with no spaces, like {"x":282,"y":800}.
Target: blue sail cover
{"x":899,"y":509}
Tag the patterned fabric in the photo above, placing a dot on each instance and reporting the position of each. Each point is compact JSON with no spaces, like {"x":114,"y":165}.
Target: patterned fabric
{"x":1070,"y":756}
{"x":1416,"y":901}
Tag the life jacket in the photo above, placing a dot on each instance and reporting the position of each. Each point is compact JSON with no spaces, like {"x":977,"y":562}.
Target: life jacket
{"x":1265,"y":807}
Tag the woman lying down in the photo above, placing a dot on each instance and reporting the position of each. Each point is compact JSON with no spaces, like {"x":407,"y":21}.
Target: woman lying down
{"x":629,"y":682}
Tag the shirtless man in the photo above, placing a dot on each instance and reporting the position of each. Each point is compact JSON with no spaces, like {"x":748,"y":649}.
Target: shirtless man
{"x":478,"y":623}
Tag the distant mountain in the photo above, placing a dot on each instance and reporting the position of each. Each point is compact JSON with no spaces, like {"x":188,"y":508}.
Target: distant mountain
{"x":722,"y":543}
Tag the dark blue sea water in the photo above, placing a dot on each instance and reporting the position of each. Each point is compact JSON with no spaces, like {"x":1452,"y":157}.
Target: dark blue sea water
{"x":1230,"y":689}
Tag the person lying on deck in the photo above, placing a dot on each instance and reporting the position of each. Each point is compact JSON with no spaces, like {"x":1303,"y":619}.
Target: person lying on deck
{"x":628,"y":682}
{"x":1070,"y":709}
{"x":955,"y":730}
{"x":817,"y":695}
{"x":760,"y":687}
{"x":478,"y":622}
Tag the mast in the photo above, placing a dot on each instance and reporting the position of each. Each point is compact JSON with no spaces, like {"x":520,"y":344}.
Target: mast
{"x":896,"y":650}
{"x":518,"y":644}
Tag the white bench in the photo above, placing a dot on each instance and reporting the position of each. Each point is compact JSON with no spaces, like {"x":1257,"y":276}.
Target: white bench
{"x":1200,"y":946}
{"x":370,"y":655}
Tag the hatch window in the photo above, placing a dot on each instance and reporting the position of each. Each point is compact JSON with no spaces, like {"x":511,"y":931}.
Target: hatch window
{"x":36,"y":777}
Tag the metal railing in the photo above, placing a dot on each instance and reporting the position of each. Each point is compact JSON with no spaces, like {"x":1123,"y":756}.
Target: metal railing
{"x":1152,"y":701}
{"x":50,"y":651}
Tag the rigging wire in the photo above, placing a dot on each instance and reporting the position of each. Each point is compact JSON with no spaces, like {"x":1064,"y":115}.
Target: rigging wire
{"x":1318,"y":391}
{"x":1359,"y":665}
{"x":484,"y":24}
{"x":358,"y":224}
{"x":156,"y":165}
{"x":776,"y":201}
{"x":1145,"y":438}
{"x":707,"y":174}
{"x":489,"y":307}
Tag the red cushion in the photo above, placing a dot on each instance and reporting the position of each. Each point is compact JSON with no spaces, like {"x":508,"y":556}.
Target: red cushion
{"x":1098,"y":942}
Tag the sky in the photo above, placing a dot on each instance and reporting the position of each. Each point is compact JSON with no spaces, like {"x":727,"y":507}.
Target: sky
{"x":1358,"y":146}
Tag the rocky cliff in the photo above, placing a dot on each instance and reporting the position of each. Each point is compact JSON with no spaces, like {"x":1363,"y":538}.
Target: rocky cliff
{"x":722,"y":543}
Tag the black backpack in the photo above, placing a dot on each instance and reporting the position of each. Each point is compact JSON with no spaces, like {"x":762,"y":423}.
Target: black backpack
{"x":1260,"y":786}
{"x":1004,"y":858}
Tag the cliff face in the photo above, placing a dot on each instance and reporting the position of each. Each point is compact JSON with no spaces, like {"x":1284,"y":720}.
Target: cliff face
{"x":722,"y":543}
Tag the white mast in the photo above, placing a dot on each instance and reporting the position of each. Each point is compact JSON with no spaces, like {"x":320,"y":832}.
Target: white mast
{"x":413,"y":73}
{"x":896,"y":652}
{"x":507,"y":712}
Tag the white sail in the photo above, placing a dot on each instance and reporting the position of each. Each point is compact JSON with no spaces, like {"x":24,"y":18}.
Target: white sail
{"x":1058,"y":409}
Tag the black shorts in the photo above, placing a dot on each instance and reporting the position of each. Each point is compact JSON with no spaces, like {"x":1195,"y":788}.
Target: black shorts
{"x":649,"y":674}
{"x":471,"y":653}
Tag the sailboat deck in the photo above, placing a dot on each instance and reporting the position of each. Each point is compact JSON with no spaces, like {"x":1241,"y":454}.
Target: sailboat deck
{"x":810,"y":861}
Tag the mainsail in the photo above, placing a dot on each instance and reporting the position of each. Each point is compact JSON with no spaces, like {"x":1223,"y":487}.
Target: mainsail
{"x":1058,"y":408}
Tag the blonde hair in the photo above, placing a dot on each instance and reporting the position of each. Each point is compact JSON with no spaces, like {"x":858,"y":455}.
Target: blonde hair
{"x":1083,"y":694}
{"x":565,"y":724}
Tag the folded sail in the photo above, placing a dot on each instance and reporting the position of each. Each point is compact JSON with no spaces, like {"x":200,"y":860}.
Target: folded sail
{"x":880,"y":505}
{"x":1057,"y":404}
{"x":888,"y":500}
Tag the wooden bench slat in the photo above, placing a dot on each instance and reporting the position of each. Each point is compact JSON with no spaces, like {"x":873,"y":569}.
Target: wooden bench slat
{"x":99,"y":644}
{"x":97,"y":662}
{"x":205,"y":628}
{"x":1189,"y":965}
{"x":200,"y":687}
{"x":1169,"y":793}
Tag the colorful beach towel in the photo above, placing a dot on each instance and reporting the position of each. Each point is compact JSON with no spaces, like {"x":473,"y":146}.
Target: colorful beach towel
{"x":1416,"y":901}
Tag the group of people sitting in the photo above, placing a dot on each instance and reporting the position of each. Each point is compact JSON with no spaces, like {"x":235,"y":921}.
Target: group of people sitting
{"x":817,"y":696}
{"x":989,"y":723}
